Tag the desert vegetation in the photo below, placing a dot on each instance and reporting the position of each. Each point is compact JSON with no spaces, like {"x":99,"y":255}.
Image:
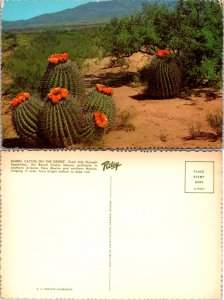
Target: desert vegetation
{"x":179,"y":49}
{"x":28,"y":52}
{"x":193,"y":31}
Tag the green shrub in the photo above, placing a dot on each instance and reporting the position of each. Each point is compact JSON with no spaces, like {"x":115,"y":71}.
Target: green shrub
{"x":27,"y":63}
{"x":9,"y":41}
{"x":26,"y":68}
{"x":192,"y":29}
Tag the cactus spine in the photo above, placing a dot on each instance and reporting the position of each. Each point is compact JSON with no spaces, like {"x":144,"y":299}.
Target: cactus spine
{"x":97,"y":101}
{"x":60,"y":122}
{"x":164,"y":80}
{"x":90,"y":132}
{"x":65,"y":74}
{"x":25,"y":120}
{"x":64,"y":116}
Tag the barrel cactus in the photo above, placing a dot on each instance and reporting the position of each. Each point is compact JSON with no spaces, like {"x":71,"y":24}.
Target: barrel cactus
{"x":60,"y":120}
{"x":93,"y":127}
{"x":164,"y":76}
{"x":62,"y":72}
{"x":101,"y":100}
{"x":25,"y":117}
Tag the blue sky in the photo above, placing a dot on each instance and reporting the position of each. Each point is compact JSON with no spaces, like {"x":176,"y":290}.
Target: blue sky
{"x":26,"y":9}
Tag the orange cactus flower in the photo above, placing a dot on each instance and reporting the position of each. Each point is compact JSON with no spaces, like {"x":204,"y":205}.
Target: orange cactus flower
{"x":108,"y":91}
{"x":58,"y":58}
{"x":167,"y":52}
{"x":26,"y":95}
{"x":100,"y":119}
{"x":58,"y":94}
{"x":100,"y":87}
{"x":104,"y":89}
{"x":15,"y":102}
{"x":159,"y":53}
{"x":20,"y":98}
{"x":53,"y":60}
{"x":162,"y":53}
{"x":64,"y":57}
{"x":64,"y":93}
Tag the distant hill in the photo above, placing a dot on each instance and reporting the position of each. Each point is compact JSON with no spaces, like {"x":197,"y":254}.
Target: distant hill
{"x":91,"y":11}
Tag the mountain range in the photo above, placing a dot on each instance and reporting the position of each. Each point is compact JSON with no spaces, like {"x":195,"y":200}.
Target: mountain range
{"x":89,"y":12}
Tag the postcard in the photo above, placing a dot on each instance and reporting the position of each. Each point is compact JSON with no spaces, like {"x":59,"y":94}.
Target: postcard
{"x":111,"y":225}
{"x":112,"y":74}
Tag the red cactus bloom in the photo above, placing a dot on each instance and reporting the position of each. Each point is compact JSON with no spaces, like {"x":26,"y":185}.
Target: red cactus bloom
{"x":162,"y":53}
{"x":104,"y":89}
{"x":100,"y":87}
{"x":58,"y":94}
{"x":21,"y":97}
{"x":108,"y":91}
{"x":15,"y":102}
{"x":100,"y":119}
{"x":58,"y":58}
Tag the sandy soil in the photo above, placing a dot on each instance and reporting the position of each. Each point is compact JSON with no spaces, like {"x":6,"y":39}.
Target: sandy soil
{"x":151,"y":123}
{"x":156,"y":123}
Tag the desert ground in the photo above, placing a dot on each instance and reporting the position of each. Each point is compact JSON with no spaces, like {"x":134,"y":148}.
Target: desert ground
{"x":142,"y":122}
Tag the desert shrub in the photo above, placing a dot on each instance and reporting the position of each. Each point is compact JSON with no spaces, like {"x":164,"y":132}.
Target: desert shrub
{"x":136,"y":80}
{"x":26,"y":68}
{"x":192,"y":30}
{"x":215,"y":120}
{"x":8,"y":35}
{"x":10,"y":89}
{"x":194,"y":130}
{"x":200,"y":25}
{"x":123,"y":121}
{"x":29,"y":59}
{"x":125,"y":36}
{"x":9,"y":41}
